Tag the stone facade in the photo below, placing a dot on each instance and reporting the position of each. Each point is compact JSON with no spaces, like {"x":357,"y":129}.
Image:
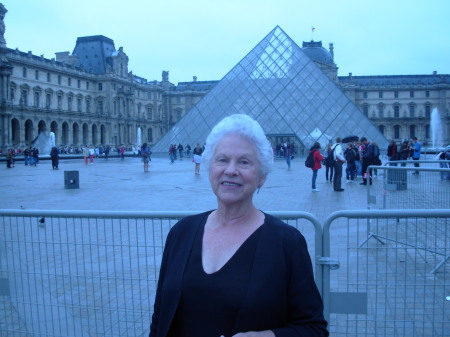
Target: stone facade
{"x":90,"y":97}
{"x":83,"y":102}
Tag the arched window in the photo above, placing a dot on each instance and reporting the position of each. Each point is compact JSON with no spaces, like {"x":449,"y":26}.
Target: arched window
{"x":412,"y":110}
{"x":365,"y":109}
{"x":178,"y":113}
{"x":397,"y":131}
{"x":12,"y":91}
{"x":427,"y":131}
{"x":48,"y":98}
{"x":150,"y":135}
{"x":88,"y":104}
{"x":381,"y":128}
{"x":79,"y":102}
{"x":412,"y":131}
{"x":60,"y":99}
{"x":396,"y":110}
{"x":150,"y":112}
{"x":24,"y":90}
{"x":381,"y":110}
{"x":427,"y":110}
{"x":69,"y":101}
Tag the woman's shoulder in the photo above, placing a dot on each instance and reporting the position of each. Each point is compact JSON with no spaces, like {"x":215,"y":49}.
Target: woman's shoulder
{"x":186,"y":223}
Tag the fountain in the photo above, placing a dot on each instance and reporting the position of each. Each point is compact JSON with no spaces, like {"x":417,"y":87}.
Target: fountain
{"x":44,"y":143}
{"x":436,"y":129}
{"x":139,"y":137}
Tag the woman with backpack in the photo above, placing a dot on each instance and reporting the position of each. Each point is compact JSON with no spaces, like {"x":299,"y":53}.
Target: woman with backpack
{"x":329,"y":163}
{"x":317,"y":164}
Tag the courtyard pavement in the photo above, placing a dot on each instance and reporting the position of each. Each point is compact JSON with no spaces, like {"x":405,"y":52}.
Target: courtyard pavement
{"x":118,"y":185}
{"x":123,"y":185}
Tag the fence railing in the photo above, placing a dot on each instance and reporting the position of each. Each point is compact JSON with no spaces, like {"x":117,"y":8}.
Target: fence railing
{"x":89,"y":273}
{"x":409,"y":187}
{"x":394,"y":275}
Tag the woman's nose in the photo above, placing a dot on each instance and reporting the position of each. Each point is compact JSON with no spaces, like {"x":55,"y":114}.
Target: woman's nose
{"x":231,"y":168}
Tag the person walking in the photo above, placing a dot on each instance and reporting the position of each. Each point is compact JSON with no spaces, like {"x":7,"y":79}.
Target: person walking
{"x":54,"y":155}
{"x":367,"y":160}
{"x":86,"y":155}
{"x":122,"y":152}
{"x":339,"y":161}
{"x":403,"y":153}
{"x":288,"y":153}
{"x":392,"y":152}
{"x":416,"y":154}
{"x":172,"y":152}
{"x":91,"y":154}
{"x":315,"y":149}
{"x":27,"y":154}
{"x":107,"y":150}
{"x":188,"y":150}
{"x":9,"y":158}
{"x":145,"y":153}
{"x":198,"y":150}
{"x":34,"y":156}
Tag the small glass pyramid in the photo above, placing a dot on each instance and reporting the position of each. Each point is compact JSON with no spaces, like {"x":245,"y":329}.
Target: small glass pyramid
{"x":286,"y":92}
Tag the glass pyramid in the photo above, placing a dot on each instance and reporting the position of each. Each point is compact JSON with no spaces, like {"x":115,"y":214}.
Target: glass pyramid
{"x":288,"y":94}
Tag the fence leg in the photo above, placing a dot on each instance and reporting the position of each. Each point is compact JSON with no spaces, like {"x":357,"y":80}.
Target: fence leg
{"x":440,"y":264}
{"x":371,"y":235}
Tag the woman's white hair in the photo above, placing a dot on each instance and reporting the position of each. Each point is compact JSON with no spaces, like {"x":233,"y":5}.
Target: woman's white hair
{"x":247,"y":127}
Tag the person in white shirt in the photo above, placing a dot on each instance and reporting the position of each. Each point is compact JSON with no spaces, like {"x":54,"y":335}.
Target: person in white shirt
{"x":339,"y":160}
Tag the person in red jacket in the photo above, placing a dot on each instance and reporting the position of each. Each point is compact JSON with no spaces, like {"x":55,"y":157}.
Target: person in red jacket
{"x":317,"y":164}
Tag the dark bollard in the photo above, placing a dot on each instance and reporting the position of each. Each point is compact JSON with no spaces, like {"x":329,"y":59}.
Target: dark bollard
{"x":71,"y":179}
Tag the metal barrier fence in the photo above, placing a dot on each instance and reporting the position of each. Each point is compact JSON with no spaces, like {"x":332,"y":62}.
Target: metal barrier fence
{"x":89,"y":273}
{"x":408,"y":187}
{"x":394,"y":275}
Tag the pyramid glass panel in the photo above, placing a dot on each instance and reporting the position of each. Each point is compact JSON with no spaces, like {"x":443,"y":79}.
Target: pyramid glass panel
{"x":285,"y":91}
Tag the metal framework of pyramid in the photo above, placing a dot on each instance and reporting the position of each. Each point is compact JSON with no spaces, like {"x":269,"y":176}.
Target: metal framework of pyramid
{"x":285,"y":91}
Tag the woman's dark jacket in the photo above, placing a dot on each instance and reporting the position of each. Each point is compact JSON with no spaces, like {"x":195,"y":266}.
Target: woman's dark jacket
{"x":281,"y":296}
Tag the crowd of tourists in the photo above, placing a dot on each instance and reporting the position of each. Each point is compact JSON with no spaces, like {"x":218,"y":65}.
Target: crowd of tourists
{"x":358,"y":155}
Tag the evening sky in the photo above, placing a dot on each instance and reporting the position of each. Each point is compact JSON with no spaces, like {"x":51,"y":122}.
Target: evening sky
{"x":206,"y":38}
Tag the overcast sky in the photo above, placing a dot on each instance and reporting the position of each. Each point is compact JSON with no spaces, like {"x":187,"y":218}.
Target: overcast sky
{"x":206,"y":38}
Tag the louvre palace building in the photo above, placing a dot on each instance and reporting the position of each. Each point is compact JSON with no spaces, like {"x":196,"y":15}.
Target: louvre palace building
{"x":91,"y":97}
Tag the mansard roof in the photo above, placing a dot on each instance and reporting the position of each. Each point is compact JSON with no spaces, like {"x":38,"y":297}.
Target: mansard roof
{"x":196,"y":85}
{"x":93,"y":51}
{"x":395,"y":80}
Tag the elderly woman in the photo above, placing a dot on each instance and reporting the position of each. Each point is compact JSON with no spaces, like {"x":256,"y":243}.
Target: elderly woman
{"x":236,"y":271}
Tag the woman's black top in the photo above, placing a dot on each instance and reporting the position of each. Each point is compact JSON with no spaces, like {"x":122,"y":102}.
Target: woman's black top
{"x":209,"y":302}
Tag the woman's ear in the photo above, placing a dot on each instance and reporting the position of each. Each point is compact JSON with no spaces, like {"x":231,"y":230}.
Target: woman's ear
{"x":262,"y":180}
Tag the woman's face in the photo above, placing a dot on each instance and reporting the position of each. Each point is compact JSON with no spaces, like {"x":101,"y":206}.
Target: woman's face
{"x":234,"y":172}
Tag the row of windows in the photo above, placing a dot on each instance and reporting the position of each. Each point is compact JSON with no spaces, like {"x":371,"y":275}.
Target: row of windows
{"x":381,"y":94}
{"x":411,"y":108}
{"x":23,"y":100}
{"x":123,"y":107}
{"x":37,"y":74}
{"x":71,"y":81}
{"x":397,"y":132}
